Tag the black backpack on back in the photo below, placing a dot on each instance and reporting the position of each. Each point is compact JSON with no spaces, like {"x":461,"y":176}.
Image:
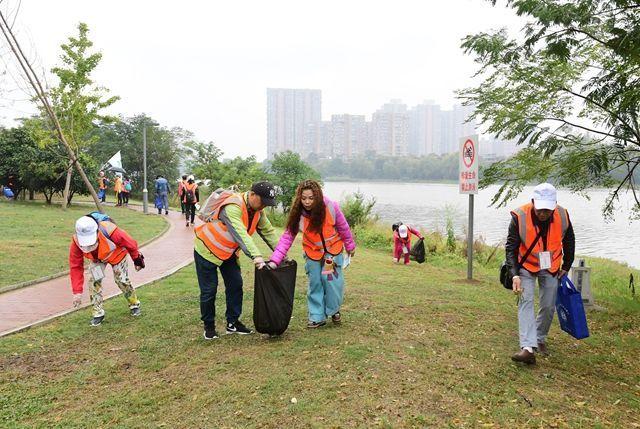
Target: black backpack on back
{"x":190,"y":196}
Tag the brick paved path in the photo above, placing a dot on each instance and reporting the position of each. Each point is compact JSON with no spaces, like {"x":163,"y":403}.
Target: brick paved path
{"x":41,"y":302}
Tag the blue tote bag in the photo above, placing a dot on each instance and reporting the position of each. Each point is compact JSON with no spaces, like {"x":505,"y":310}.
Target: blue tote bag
{"x":573,"y":319}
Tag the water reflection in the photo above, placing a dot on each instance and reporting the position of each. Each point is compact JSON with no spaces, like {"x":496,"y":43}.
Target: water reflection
{"x":425,"y":204}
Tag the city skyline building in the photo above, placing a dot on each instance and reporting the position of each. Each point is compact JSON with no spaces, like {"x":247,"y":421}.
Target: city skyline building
{"x":295,"y":123}
{"x":289,"y":111}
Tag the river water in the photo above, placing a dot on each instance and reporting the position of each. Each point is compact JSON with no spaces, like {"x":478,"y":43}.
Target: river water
{"x":427,"y":204}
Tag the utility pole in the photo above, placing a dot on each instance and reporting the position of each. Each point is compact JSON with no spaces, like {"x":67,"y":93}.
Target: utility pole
{"x":145,"y":192}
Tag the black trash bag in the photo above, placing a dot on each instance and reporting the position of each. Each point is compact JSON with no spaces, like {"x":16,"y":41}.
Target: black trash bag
{"x":417,"y":252}
{"x":273,"y":298}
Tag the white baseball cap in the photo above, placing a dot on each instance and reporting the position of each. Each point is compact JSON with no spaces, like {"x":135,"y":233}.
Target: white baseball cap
{"x":545,"y":197}
{"x":86,"y":231}
{"x":402,"y":231}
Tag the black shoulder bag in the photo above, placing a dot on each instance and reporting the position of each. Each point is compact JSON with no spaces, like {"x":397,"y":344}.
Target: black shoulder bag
{"x":505,"y":278}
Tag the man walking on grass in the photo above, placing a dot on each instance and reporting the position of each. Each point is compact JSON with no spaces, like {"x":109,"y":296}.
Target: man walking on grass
{"x":217,"y":247}
{"x":103,"y":243}
{"x":540,"y":245}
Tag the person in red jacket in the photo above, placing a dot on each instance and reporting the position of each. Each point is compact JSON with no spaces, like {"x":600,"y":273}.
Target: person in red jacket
{"x":402,"y":242}
{"x":103,"y":243}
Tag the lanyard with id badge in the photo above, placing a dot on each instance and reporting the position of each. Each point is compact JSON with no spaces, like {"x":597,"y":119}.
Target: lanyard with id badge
{"x":544,"y":260}
{"x":97,"y":272}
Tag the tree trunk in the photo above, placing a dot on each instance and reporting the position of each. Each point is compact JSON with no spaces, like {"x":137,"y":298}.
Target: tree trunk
{"x":67,"y":185}
{"x":32,"y":195}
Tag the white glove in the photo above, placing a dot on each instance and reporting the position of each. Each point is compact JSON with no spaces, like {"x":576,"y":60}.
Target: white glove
{"x":77,"y":300}
{"x":258,"y":261}
{"x":272,"y":265}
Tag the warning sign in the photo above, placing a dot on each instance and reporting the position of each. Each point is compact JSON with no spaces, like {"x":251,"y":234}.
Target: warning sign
{"x":468,"y":177}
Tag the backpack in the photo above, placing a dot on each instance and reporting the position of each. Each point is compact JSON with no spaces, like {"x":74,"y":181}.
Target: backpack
{"x":395,"y":226}
{"x":101,"y":217}
{"x":214,"y":201}
{"x":190,"y":196}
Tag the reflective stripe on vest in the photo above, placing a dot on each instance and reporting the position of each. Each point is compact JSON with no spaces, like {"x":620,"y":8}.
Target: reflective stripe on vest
{"x":312,"y":241}
{"x":216,"y":236}
{"x":527,"y":231}
{"x":108,"y":251}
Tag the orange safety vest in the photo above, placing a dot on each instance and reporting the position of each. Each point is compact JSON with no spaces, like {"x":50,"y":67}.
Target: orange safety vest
{"x":216,"y":236}
{"x":108,"y":251}
{"x":186,"y":187}
{"x":557,"y":228}
{"x":312,"y":240}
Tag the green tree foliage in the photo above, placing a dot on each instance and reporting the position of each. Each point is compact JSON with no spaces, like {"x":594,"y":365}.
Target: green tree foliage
{"x":567,"y":87}
{"x":38,"y":168}
{"x":77,"y":101}
{"x":204,"y":162}
{"x":288,"y":170}
{"x":164,"y":149}
{"x":426,"y":168}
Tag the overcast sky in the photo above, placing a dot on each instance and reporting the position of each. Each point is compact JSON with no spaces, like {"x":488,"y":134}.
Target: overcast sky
{"x":205,"y":65}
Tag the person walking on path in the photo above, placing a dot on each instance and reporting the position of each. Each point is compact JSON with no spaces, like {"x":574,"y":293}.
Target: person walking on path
{"x":190,"y":197}
{"x":217,"y":246}
{"x":118,"y":187}
{"x":181,"y":185}
{"x":325,"y":234}
{"x":103,"y":185}
{"x":402,"y":242}
{"x":162,"y":191}
{"x":540,"y":245}
{"x":103,"y":243}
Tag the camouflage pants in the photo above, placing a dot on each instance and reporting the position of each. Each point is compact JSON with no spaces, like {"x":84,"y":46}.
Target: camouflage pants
{"x":121,"y":277}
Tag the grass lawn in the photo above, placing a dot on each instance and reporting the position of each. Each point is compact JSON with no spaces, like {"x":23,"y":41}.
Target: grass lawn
{"x":419,"y":347}
{"x":35,"y":237}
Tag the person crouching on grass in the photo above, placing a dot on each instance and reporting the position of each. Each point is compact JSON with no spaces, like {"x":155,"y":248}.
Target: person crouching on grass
{"x":325,"y":234}
{"x":103,"y":243}
{"x":402,"y":242}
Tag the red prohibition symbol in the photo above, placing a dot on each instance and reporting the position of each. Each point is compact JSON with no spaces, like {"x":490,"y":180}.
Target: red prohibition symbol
{"x":468,"y":153}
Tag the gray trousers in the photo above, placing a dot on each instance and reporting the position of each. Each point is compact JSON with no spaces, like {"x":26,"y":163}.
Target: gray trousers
{"x":534,"y":330}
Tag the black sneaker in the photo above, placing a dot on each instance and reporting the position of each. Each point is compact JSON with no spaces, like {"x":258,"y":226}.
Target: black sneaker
{"x":336,"y":318}
{"x":313,"y":325}
{"x":135,"y":311}
{"x":166,"y":212}
{"x":210,"y":334}
{"x":97,"y":321}
{"x":238,"y":328}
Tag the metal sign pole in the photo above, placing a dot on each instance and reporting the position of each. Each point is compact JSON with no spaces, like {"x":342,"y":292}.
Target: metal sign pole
{"x":470,"y":240}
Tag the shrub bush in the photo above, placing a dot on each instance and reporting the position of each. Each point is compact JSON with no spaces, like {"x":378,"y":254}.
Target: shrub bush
{"x":357,"y":209}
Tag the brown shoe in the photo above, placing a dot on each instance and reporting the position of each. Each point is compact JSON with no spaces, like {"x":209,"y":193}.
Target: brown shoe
{"x":524,"y":356}
{"x":542,"y":349}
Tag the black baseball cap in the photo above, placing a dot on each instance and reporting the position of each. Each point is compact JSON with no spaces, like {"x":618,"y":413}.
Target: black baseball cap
{"x":266,"y":191}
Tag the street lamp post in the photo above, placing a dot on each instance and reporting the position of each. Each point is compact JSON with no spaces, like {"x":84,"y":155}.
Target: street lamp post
{"x":145,"y":192}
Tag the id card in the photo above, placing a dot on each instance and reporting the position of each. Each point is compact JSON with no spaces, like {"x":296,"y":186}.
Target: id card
{"x":405,"y":250}
{"x":97,"y":273}
{"x":346,"y":261}
{"x":544,"y":259}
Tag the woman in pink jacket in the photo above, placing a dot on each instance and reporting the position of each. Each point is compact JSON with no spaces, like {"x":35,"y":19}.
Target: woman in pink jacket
{"x":325,"y":234}
{"x":402,"y":242}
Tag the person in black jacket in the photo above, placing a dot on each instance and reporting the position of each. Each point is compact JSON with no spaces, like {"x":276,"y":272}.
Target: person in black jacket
{"x":540,"y":245}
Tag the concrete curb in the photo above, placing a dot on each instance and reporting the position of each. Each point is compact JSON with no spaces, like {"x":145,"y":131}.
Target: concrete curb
{"x":27,"y":283}
{"x":71,"y":310}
